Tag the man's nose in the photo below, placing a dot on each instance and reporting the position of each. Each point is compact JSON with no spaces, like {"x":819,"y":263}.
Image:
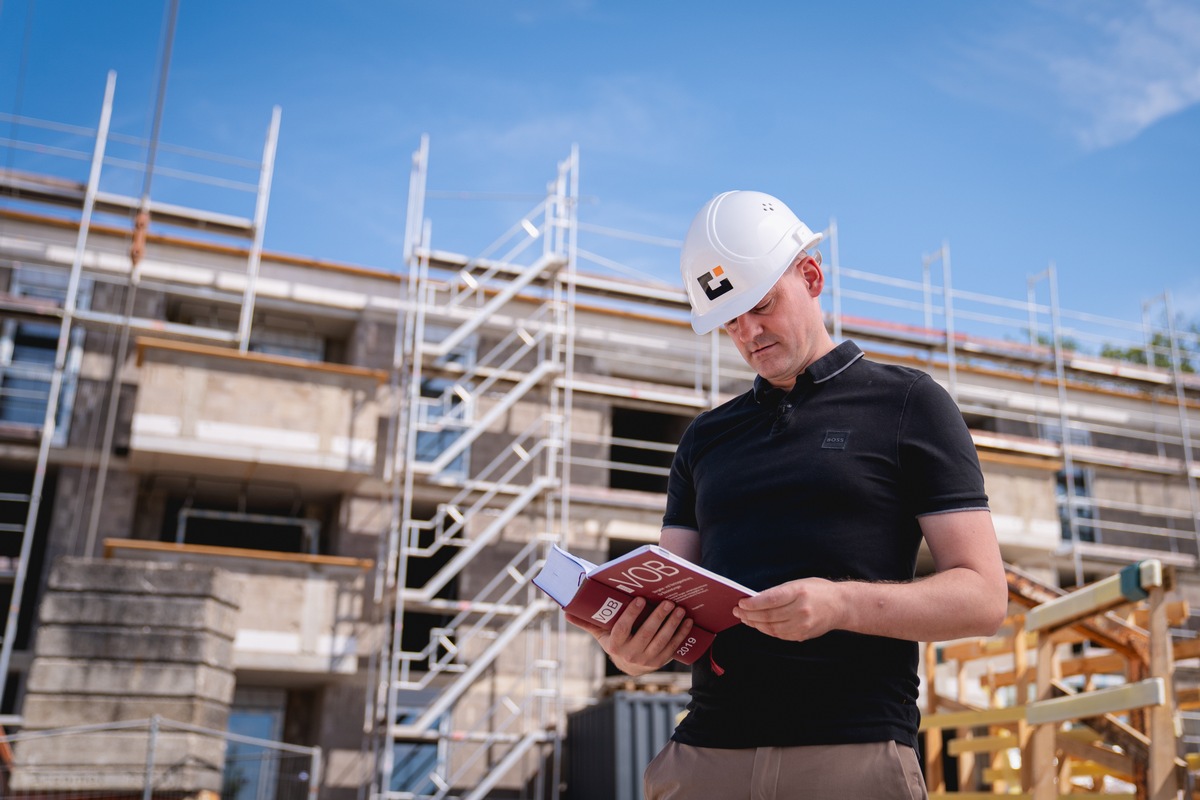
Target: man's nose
{"x":745,"y":327}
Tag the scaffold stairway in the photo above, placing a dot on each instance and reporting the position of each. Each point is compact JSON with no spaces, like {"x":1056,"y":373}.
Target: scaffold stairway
{"x":476,"y":351}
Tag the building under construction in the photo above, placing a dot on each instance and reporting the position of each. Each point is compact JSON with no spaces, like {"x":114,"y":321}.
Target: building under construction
{"x":269,"y":523}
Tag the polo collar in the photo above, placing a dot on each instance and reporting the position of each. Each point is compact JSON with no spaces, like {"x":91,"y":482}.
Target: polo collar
{"x":824,"y":368}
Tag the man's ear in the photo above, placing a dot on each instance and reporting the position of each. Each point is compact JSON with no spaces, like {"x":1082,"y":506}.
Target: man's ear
{"x":814,"y":275}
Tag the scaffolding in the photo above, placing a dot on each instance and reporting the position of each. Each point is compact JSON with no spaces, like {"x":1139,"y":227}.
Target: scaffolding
{"x":464,"y":360}
{"x":94,"y":285}
{"x":1096,"y":397}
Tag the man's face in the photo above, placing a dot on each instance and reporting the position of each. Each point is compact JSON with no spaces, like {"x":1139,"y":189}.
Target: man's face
{"x":779,"y":337}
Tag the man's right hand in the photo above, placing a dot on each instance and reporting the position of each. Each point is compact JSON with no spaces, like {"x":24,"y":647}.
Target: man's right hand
{"x":651,"y":646}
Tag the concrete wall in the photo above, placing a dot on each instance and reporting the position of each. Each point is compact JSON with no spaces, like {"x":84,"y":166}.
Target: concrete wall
{"x":122,"y":641}
{"x":202,"y":412}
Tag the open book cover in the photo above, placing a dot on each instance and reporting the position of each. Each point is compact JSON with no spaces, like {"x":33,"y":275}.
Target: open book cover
{"x":600,"y":592}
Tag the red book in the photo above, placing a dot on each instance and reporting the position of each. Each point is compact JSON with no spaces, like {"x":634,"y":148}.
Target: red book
{"x":599,"y":593}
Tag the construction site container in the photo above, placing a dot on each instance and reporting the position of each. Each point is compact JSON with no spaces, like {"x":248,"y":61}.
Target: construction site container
{"x":610,"y":743}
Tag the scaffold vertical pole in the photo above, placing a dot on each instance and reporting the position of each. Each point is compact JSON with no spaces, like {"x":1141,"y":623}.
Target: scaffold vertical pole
{"x":56,"y":380}
{"x":951,"y":345}
{"x":1185,"y":432}
{"x":262,"y":200}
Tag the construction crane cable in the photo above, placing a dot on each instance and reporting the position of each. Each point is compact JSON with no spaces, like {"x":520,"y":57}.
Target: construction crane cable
{"x":168,"y":38}
{"x":136,"y":251}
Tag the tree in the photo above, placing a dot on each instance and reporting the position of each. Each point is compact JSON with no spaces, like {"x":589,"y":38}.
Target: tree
{"x":1160,"y":350}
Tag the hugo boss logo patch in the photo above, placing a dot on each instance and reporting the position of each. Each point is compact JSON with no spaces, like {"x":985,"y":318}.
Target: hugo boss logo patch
{"x":714,"y":290}
{"x":835,"y":440}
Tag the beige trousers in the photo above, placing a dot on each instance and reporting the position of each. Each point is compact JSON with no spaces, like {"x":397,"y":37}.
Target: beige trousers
{"x":873,"y":771}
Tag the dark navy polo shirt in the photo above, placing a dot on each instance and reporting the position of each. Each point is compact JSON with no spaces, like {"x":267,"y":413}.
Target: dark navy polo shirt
{"x":827,"y":480}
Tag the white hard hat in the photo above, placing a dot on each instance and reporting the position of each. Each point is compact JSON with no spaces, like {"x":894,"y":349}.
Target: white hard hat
{"x":738,"y":246}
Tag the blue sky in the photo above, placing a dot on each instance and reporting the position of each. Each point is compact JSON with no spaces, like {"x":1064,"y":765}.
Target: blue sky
{"x":1020,"y":132}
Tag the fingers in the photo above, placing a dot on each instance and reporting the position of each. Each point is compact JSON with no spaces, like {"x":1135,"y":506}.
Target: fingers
{"x":671,"y":631}
{"x":656,"y":630}
{"x":770,"y":598}
{"x":638,"y":648}
{"x":654,"y":641}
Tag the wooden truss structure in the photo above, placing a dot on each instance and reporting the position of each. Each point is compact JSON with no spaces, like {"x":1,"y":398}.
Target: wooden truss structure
{"x":1073,"y":698}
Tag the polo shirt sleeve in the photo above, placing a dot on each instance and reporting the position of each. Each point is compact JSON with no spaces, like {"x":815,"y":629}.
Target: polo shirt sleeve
{"x":938,"y":462}
{"x":681,"y":488}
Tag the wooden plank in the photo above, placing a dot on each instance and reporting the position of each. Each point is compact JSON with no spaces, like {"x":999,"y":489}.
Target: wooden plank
{"x":945,"y":704}
{"x":1148,"y":692}
{"x":1098,"y":664}
{"x":1007,"y":774}
{"x":982,"y":744}
{"x":1038,"y":759}
{"x":1106,"y":759}
{"x":1120,"y":733}
{"x":935,"y":774}
{"x":1107,"y":630}
{"x":1028,"y":796}
{"x":1111,"y":729}
{"x":1102,"y":664}
{"x":1095,"y":598}
{"x":112,"y":546}
{"x":1024,"y":729}
{"x":1189,"y":648}
{"x":145,"y":343}
{"x":966,"y":761}
{"x":969,"y":650}
{"x":972,"y":719}
{"x":1162,"y":725}
{"x":1177,"y":614}
{"x":1090,"y":769}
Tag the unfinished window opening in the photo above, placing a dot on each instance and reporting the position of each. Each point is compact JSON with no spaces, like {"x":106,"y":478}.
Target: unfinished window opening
{"x":642,"y":446}
{"x":215,"y":522}
{"x":251,"y":531}
{"x":980,"y":422}
{"x":276,"y":333}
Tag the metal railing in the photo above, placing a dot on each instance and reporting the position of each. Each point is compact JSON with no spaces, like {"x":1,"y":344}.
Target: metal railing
{"x":154,"y":759}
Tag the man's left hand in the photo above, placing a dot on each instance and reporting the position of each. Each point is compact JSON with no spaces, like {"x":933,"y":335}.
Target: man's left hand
{"x":796,"y":610}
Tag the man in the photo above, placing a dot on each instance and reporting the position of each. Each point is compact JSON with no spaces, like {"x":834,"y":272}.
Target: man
{"x":814,"y":488}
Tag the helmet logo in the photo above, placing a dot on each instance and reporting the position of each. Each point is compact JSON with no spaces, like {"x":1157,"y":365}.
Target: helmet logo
{"x":713,"y":291}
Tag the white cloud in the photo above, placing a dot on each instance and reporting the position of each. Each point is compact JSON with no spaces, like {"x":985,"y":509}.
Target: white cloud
{"x":1102,"y":70}
{"x":1141,"y":65}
